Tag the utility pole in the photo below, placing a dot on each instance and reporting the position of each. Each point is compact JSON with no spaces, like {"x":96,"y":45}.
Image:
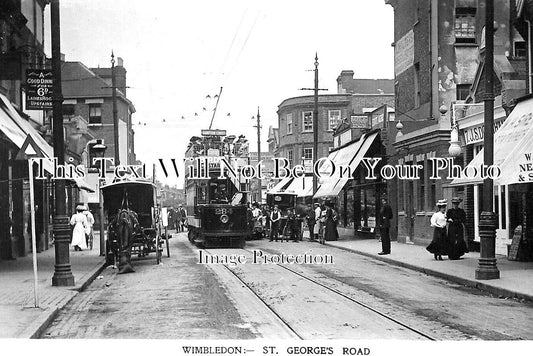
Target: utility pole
{"x":315,"y":122}
{"x":487,"y":268}
{"x":115,"y":110}
{"x":62,"y":272}
{"x":258,"y":126}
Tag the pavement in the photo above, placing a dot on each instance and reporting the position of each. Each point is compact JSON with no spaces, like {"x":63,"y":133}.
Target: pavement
{"x":19,"y":316}
{"x":516,"y":278}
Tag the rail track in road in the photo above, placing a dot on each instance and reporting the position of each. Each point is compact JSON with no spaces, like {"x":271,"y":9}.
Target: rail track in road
{"x":324,"y":289}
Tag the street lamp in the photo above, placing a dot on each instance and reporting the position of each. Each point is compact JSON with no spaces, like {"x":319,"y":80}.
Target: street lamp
{"x":455,"y":149}
{"x":99,"y":151}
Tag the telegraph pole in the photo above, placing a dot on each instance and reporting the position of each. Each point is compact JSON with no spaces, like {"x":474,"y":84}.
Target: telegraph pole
{"x":487,"y":268}
{"x":115,"y":110}
{"x":259,"y":152}
{"x":315,"y":122}
{"x":62,"y":272}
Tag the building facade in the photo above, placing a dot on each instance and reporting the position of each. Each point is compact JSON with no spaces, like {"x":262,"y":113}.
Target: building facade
{"x":88,"y":93}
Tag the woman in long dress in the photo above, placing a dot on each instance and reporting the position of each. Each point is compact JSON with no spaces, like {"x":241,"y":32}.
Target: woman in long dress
{"x":80,"y":223}
{"x":439,"y":244}
{"x":330,"y":228}
{"x":456,"y":220}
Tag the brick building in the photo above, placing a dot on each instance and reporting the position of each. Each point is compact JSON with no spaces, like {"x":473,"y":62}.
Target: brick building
{"x":438,"y":67}
{"x":88,"y":93}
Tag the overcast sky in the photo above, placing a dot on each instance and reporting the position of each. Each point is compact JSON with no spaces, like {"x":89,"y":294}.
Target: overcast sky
{"x":260,"y":52}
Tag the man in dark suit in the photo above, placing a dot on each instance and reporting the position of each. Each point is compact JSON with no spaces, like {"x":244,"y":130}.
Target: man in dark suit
{"x":385,"y":216}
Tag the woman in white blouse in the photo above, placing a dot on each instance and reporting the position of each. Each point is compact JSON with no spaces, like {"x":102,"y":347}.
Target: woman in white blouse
{"x":438,"y":245}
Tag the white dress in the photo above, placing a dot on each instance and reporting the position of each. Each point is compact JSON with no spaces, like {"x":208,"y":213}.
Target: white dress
{"x":79,"y":221}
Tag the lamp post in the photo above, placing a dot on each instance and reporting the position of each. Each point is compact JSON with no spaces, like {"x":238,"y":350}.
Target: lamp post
{"x":455,"y":148}
{"x":99,"y":151}
{"x":62,"y":272}
{"x":487,"y":268}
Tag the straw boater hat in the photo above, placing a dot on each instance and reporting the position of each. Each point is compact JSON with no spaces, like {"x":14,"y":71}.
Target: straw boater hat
{"x":80,"y":208}
{"x":456,"y":200}
{"x":442,"y":202}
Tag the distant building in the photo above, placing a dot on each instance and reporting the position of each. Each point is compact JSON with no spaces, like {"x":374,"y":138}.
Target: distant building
{"x":87,"y":93}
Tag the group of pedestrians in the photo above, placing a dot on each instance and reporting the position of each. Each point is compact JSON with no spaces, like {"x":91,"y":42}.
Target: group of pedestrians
{"x":448,"y":236}
{"x":82,"y":233}
{"x":292,"y":229}
{"x":177,"y":218}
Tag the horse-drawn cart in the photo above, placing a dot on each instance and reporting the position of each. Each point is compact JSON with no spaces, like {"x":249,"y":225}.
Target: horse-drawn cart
{"x":134,"y":222}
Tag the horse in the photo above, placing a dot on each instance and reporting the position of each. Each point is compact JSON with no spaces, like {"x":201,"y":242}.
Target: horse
{"x":125,"y":226}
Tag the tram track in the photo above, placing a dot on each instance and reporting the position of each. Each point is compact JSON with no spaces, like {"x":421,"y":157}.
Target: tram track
{"x":420,"y":334}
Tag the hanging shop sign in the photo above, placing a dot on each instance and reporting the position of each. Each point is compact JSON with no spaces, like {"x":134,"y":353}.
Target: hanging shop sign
{"x":39,"y":89}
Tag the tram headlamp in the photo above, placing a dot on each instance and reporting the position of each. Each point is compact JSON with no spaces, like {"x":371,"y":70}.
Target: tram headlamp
{"x":224,"y":219}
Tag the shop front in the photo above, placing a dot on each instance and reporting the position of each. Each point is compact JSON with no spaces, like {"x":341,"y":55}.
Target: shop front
{"x":355,"y":196}
{"x":513,"y":187}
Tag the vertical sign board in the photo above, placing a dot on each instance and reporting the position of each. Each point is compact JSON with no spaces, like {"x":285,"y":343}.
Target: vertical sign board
{"x":39,"y":89}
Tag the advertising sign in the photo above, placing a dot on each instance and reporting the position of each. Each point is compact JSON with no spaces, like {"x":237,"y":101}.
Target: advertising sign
{"x":359,"y":121}
{"x":213,"y":132}
{"x":39,"y":89}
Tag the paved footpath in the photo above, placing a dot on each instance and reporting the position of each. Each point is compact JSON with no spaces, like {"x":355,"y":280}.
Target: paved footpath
{"x":516,"y":278}
{"x":19,"y":318}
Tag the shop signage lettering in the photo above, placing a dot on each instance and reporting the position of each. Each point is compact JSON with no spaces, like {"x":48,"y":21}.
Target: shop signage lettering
{"x":526,"y":169}
{"x":39,"y":84}
{"x":475,"y":134}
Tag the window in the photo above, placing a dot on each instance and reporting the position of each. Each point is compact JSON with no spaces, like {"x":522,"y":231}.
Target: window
{"x":334,"y":117}
{"x":289,"y":123}
{"x":95,"y":113}
{"x":308,"y":153}
{"x":290,"y":157}
{"x":421,"y":188}
{"x":465,"y":25}
{"x":417,"y":85}
{"x":462,"y":91}
{"x":307,"y":121}
{"x":68,"y":110}
{"x":520,"y":49}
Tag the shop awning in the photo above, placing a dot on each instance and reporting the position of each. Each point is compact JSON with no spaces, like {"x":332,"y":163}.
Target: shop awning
{"x":82,"y":184}
{"x":303,"y":186}
{"x":512,"y":146}
{"x":280,"y":186}
{"x":17,"y":129}
{"x":349,"y":156}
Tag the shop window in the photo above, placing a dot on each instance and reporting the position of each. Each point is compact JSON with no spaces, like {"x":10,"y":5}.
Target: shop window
{"x":334,"y":117}
{"x":289,"y":123}
{"x":465,"y":25}
{"x":95,"y":114}
{"x":307,"y":121}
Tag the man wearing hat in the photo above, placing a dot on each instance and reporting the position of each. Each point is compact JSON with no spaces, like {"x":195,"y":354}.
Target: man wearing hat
{"x":456,"y":218}
{"x":311,"y":220}
{"x":385,"y":216}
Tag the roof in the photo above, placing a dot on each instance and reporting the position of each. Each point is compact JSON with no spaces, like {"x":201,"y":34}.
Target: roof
{"x":79,"y":81}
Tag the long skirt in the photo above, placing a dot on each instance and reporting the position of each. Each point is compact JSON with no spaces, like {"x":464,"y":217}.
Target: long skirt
{"x":439,"y":244}
{"x":78,"y":236}
{"x":456,"y":242}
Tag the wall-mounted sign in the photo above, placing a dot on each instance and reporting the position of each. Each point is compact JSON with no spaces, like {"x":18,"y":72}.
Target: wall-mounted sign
{"x":359,"y":121}
{"x":404,"y":53}
{"x":39,"y":89}
{"x":474,"y":134}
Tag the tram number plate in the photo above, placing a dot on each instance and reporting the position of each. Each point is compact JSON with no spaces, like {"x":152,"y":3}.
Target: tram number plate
{"x":222,"y":211}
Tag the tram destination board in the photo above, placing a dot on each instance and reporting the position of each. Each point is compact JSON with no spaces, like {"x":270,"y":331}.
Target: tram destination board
{"x":39,"y":89}
{"x":213,"y":132}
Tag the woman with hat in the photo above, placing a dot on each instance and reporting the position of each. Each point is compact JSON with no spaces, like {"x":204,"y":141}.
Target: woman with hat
{"x":438,"y":245}
{"x":456,"y":219}
{"x":79,"y":221}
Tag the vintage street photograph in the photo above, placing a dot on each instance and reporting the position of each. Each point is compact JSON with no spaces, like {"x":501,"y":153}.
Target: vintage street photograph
{"x":335,"y":177}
